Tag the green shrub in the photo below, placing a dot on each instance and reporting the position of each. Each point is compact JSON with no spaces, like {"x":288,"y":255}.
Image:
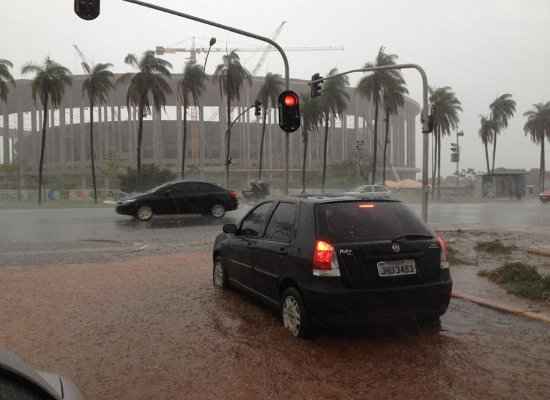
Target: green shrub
{"x":521,"y":279}
{"x":151,"y":176}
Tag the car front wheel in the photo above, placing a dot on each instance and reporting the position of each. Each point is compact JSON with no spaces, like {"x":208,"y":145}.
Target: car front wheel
{"x":144,"y":213}
{"x":294,"y":314}
{"x":217,"y":211}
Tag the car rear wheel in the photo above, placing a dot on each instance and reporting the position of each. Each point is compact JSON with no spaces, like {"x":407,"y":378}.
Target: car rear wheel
{"x":294,"y":314}
{"x":144,"y":213}
{"x":217,"y":211}
{"x":219,"y":274}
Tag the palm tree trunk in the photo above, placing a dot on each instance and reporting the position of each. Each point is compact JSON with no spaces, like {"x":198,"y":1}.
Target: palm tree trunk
{"x":184,"y":140}
{"x":434,"y":163}
{"x":304,"y":160}
{"x":228,"y":143}
{"x":386,"y":146}
{"x":262,"y":141}
{"x":494,"y":152}
{"x":139,"y":143}
{"x":375,"y":150}
{"x":325,"y":148}
{"x":542,"y":164}
{"x":486,"y":145}
{"x":92,"y":150}
{"x":439,"y":166}
{"x":42,"y":148}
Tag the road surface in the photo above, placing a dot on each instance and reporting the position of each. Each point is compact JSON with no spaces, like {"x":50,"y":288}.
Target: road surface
{"x":154,"y":328}
{"x":99,"y":234}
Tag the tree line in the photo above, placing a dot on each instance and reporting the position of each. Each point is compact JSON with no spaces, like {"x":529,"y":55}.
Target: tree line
{"x":148,"y":88}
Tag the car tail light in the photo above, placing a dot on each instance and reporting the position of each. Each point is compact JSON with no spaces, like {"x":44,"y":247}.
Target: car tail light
{"x":234,"y":195}
{"x":444,"y":252}
{"x":325,"y":261}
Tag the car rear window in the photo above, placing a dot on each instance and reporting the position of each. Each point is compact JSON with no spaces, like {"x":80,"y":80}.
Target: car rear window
{"x":366,"y":221}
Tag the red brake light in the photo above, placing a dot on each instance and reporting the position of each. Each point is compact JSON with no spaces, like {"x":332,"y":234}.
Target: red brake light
{"x":290,"y":100}
{"x":322,"y":256}
{"x":444,"y":251}
{"x":233,"y":194}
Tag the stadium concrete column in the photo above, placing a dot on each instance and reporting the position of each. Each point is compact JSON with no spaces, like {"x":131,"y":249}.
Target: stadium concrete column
{"x":179,"y":136}
{"x":62,"y":135}
{"x":411,"y":158}
{"x":5,"y":135}
{"x":202,"y":141}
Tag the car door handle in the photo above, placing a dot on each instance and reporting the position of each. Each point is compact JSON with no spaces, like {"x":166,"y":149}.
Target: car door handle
{"x":283,"y":251}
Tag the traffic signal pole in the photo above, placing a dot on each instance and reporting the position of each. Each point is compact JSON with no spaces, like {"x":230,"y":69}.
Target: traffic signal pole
{"x":238,"y":32}
{"x":424,"y":119}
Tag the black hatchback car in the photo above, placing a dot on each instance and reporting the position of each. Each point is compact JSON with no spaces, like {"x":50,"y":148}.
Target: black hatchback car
{"x":324,"y":260}
{"x":180,"y":197}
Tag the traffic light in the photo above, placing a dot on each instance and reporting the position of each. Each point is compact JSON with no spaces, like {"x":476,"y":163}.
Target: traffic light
{"x":454,"y":147}
{"x":428,"y":125}
{"x":289,"y":111}
{"x":455,"y":155}
{"x":257,"y":108}
{"x":87,"y":9}
{"x":316,"y":87}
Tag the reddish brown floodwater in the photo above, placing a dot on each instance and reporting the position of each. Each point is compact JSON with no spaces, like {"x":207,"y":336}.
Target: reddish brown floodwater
{"x":154,"y":328}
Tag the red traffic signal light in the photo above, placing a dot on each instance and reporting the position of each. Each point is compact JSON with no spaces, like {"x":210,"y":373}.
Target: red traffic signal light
{"x":87,"y":9}
{"x":289,"y":111}
{"x":290,"y":100}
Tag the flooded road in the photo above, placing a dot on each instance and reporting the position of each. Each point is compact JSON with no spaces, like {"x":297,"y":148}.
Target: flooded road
{"x":155,"y":328}
{"x":99,"y":234}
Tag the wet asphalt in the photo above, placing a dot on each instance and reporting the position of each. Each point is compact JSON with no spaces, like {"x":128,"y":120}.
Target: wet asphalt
{"x":98,"y":234}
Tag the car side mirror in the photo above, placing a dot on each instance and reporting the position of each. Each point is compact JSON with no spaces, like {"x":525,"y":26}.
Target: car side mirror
{"x":230,"y":229}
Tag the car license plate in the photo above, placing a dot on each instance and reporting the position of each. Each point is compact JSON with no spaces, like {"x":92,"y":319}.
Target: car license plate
{"x":396,"y":268}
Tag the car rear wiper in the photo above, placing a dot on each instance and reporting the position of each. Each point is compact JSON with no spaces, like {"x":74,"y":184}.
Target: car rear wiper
{"x":413,"y":236}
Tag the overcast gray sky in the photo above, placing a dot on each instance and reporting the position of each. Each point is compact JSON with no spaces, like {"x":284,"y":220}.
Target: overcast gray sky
{"x":481,"y":48}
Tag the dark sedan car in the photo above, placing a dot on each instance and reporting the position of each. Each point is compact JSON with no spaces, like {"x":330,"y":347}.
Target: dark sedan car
{"x":180,"y":197}
{"x":336,"y":260}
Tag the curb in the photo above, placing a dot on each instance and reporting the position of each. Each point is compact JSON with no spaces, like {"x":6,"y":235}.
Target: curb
{"x":539,"y":251}
{"x":501,"y":307}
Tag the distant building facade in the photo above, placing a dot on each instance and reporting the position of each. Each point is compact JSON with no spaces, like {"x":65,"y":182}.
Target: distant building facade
{"x":115,"y":129}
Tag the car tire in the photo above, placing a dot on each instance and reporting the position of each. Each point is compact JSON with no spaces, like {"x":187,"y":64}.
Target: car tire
{"x":219,"y":274}
{"x":144,"y":213}
{"x":217,"y":211}
{"x":295,"y":315}
{"x":429,"y":319}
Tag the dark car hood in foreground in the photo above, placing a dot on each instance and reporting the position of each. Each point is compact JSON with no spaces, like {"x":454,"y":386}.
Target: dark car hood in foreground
{"x":58,"y":387}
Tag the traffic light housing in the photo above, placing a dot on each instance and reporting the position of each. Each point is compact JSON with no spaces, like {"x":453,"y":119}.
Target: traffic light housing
{"x":454,"y":147}
{"x":428,"y":125}
{"x":316,"y":87}
{"x":257,"y":108}
{"x":87,"y":9}
{"x":289,"y":111}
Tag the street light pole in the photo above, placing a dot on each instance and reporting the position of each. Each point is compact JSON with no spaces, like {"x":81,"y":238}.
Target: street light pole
{"x":424,"y":119}
{"x":458,"y":134}
{"x":238,"y":32}
{"x":212,"y":43}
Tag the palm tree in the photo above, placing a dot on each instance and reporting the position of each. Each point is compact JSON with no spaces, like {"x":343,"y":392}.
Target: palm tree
{"x":147,"y":90}
{"x":502,"y":109}
{"x":538,"y":128}
{"x":333,"y":102}
{"x":231,"y":76}
{"x":5,"y":79}
{"x":48,"y":87}
{"x":445,"y":116}
{"x":311,"y":119}
{"x":267,"y":95}
{"x":190,"y":87}
{"x":394,"y":97}
{"x":96,"y":86}
{"x":486,"y":133}
{"x":371,"y":86}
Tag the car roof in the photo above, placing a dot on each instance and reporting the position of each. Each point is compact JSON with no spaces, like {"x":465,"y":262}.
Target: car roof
{"x":313,"y":198}
{"x":190,"y":181}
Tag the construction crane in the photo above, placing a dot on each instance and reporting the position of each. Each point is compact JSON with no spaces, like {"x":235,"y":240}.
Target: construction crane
{"x":193,"y":50}
{"x":83,"y":59}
